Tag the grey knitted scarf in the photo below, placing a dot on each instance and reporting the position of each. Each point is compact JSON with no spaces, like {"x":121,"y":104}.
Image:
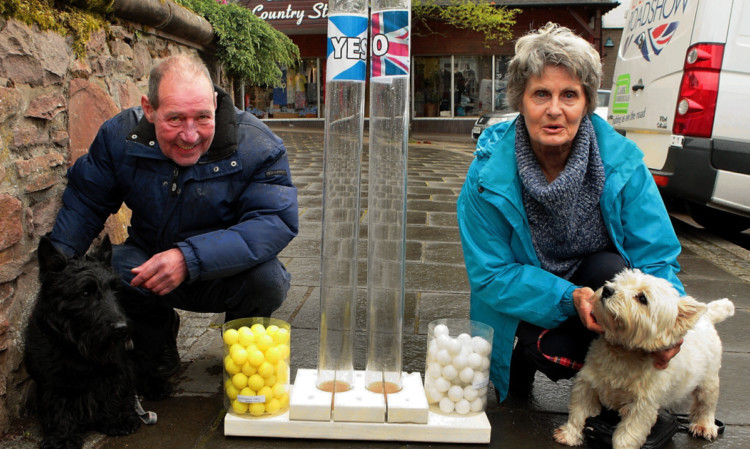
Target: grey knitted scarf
{"x":564,"y":217}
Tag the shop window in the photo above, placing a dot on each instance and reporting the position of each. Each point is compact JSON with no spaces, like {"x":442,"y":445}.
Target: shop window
{"x":296,"y":97}
{"x":430,"y":86}
{"x":501,"y":83}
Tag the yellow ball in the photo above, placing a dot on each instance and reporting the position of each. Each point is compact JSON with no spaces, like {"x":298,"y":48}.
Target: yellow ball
{"x":256,"y":382}
{"x":273,"y":405}
{"x":270,"y":330}
{"x":279,"y":390}
{"x":231,"y":336}
{"x":281,"y":336}
{"x":239,"y":355}
{"x":256,"y":357}
{"x":282,"y":372}
{"x":266,"y":369}
{"x":248,"y":369}
{"x":230,"y":366}
{"x":284,"y":400}
{"x":273,"y":354}
{"x":239,"y":380}
{"x":267,"y":392}
{"x":239,"y":407}
{"x":245,"y":336}
{"x":264,"y":341}
{"x":258,"y":329}
{"x":231,"y":390}
{"x":257,"y":408}
{"x":270,"y":381}
{"x":247,"y":392}
{"x":284,"y":350}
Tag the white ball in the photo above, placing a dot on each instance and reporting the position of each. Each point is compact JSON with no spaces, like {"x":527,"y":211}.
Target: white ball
{"x":443,"y":341}
{"x":480,"y":345}
{"x":432,"y":348}
{"x":474,"y":360}
{"x":449,"y":372}
{"x":440,"y":329}
{"x":454,"y":347}
{"x":466,"y":375}
{"x":485,"y":364}
{"x":446,"y":405}
{"x":434,"y":369}
{"x":464,"y":339}
{"x":479,"y":378}
{"x":433,"y":396}
{"x":463,"y":407}
{"x":444,"y":357}
{"x":477,"y":405}
{"x":455,"y":393}
{"x":460,"y":361}
{"x":442,"y":385}
{"x":470,"y":393}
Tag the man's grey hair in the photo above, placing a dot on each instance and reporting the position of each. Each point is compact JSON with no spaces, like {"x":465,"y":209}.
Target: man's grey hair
{"x":554,"y":45}
{"x":183,"y":65}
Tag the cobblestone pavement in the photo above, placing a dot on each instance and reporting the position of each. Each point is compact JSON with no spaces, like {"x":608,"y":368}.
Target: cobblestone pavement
{"x":436,"y":287}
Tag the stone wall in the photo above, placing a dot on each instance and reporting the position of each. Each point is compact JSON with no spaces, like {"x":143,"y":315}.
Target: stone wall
{"x":51,"y":106}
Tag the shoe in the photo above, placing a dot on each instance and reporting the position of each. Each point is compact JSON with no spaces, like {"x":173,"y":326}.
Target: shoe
{"x":599,"y":429}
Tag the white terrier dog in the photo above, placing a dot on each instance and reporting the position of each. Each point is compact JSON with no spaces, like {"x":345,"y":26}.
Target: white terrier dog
{"x":642,"y":314}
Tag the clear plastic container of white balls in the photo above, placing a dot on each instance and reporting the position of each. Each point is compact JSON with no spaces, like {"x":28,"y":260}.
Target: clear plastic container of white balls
{"x":457,"y":368}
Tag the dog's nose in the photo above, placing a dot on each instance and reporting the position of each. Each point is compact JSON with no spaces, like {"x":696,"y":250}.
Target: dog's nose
{"x":607,"y":291}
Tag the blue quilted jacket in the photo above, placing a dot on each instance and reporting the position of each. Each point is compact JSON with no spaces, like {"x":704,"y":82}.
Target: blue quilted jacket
{"x":234,"y":209}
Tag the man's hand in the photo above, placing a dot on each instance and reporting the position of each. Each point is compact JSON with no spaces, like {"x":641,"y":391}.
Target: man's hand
{"x":162,"y":273}
{"x":662,"y":358}
{"x":583,"y":302}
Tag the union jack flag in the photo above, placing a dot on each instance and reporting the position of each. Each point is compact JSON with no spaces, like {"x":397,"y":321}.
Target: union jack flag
{"x":653,"y":40}
{"x":390,"y":36}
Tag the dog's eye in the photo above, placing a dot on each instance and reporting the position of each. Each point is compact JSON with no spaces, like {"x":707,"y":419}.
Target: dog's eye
{"x":89,"y":289}
{"x":642,"y":299}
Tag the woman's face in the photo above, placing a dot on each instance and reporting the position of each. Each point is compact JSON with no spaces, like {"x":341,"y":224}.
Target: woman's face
{"x":553,"y":106}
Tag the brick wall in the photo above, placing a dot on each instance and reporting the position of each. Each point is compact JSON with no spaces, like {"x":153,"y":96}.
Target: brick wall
{"x":51,"y":106}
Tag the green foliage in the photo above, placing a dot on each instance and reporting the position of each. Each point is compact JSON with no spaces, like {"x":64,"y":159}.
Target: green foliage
{"x":78,"y":18}
{"x":493,"y":21}
{"x":247,"y":46}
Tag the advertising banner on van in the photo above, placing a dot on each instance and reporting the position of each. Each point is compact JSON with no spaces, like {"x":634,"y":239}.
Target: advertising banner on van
{"x":651,"y":25}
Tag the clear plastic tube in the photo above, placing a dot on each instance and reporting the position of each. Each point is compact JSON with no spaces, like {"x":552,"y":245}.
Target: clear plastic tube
{"x":388,"y":144}
{"x":344,"y":111}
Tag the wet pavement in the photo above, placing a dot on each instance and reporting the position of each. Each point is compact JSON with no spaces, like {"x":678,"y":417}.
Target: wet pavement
{"x":436,"y":287}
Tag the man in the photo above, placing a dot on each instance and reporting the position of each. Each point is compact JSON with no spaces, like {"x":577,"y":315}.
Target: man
{"x":213,"y":205}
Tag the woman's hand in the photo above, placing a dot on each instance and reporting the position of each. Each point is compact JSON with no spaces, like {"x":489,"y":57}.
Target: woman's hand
{"x":662,"y":358}
{"x":583,"y":302}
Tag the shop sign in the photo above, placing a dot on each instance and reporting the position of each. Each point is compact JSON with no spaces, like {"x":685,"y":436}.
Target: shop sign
{"x":285,"y":14}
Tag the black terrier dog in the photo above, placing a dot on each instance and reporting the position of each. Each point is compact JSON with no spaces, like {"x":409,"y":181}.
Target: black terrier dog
{"x":76,"y":349}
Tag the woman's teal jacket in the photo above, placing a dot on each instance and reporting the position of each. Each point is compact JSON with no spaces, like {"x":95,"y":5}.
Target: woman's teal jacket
{"x":507,"y":282}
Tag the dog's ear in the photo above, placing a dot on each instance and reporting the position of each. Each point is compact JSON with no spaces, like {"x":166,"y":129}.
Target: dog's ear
{"x":688,"y":312}
{"x":104,"y":251}
{"x":50,"y":258}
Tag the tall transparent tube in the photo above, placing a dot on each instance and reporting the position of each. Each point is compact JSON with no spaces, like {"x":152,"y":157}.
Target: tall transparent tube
{"x":390,"y":24}
{"x":344,"y":112}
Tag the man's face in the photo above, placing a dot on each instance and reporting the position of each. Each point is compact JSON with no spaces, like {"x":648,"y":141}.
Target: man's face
{"x":185,"y":119}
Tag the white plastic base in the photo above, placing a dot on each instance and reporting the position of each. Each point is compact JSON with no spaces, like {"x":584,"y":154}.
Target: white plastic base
{"x":408,"y":415}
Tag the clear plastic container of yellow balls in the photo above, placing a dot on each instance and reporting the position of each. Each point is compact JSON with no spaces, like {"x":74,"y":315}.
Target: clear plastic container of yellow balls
{"x":256,"y":366}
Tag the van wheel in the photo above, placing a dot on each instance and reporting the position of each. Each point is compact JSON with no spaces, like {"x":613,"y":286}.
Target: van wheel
{"x":716,"y":220}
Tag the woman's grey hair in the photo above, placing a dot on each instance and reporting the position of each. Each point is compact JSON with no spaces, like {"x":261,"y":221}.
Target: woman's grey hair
{"x":183,"y":65}
{"x":554,"y":45}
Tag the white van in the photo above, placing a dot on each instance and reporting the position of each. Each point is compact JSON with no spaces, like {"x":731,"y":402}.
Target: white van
{"x":681,"y":91}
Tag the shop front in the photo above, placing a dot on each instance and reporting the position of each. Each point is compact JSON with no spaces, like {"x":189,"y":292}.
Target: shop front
{"x":456,"y":76}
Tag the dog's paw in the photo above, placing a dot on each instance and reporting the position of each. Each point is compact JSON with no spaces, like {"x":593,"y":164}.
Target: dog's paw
{"x":567,"y":436}
{"x":155,"y":389}
{"x":61,"y":443}
{"x":709,"y":432}
{"x":125,"y":425}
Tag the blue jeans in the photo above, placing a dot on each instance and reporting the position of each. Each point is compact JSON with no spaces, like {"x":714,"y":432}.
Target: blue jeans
{"x":256,"y":292}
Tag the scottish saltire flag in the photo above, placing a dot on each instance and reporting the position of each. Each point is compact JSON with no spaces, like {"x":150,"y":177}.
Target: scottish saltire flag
{"x":347,"y":48}
{"x":390,"y":43}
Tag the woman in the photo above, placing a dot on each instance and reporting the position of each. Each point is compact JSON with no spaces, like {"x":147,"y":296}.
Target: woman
{"x":554,"y":205}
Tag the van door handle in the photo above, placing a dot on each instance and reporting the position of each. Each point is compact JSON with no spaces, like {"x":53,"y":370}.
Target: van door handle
{"x":637,"y":87}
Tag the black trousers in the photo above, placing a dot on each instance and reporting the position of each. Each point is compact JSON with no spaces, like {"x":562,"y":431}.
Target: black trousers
{"x":560,"y":351}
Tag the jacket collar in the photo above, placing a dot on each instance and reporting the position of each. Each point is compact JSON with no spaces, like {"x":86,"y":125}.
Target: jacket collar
{"x":224,"y":143}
